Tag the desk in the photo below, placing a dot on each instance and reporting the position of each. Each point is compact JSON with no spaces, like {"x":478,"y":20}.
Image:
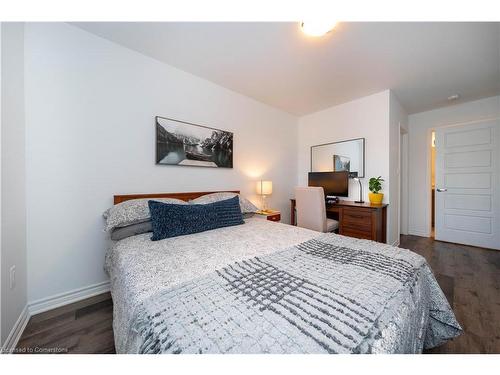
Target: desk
{"x":360,"y":220}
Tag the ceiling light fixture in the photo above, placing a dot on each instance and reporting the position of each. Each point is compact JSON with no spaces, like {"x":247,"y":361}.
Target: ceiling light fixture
{"x":317,"y":27}
{"x":453,"y":97}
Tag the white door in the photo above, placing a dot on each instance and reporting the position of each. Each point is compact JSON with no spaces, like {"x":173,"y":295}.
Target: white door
{"x":468,"y":184}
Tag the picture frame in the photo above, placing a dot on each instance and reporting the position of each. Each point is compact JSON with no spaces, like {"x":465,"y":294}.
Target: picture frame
{"x":183,"y":143}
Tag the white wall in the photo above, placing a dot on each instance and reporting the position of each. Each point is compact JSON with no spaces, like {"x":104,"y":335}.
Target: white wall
{"x":420,"y":127}
{"x":1,"y":293}
{"x":398,"y":119}
{"x":13,"y":197}
{"x":367,"y":118}
{"x":90,"y":107}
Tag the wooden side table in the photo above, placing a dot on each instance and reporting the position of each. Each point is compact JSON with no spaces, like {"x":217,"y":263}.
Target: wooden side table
{"x":269,"y":215}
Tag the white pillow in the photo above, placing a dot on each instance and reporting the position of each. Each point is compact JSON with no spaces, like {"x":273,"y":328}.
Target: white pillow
{"x":245,"y":204}
{"x":132,"y":212}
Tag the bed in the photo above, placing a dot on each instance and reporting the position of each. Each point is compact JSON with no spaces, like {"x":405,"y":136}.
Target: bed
{"x":266,"y":287}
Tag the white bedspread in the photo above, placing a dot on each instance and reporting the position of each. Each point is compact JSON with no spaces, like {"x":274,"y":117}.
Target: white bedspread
{"x":139,"y":267}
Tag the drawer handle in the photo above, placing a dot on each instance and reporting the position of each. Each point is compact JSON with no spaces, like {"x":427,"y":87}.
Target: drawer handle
{"x":357,"y":216}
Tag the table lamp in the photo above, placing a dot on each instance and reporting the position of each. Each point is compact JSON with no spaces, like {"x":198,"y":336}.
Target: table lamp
{"x":360,"y":190}
{"x":264,"y":188}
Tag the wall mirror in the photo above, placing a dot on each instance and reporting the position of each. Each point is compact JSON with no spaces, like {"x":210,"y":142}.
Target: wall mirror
{"x":340,"y":156}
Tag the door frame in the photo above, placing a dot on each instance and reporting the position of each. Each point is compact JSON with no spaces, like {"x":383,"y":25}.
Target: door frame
{"x":403,"y":211}
{"x":428,"y":163}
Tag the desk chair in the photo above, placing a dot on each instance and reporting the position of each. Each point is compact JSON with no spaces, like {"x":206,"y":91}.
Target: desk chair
{"x":311,"y":210}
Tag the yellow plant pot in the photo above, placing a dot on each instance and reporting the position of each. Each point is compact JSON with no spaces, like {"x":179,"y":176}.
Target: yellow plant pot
{"x":376,"y":198}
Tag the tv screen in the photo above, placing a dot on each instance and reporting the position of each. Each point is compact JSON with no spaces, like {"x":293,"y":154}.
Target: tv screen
{"x":333,"y":183}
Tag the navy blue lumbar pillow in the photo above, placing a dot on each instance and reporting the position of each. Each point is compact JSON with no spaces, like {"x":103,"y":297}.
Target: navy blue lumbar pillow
{"x":172,"y":220}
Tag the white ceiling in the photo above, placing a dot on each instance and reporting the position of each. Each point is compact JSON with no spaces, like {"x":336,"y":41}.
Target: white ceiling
{"x":275,"y":63}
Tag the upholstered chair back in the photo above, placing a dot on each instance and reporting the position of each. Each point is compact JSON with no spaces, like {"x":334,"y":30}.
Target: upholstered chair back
{"x":311,"y":209}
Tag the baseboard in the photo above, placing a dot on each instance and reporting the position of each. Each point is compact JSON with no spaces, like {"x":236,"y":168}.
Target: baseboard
{"x":58,"y":300}
{"x":396,"y":243}
{"x":16,"y":332}
{"x":49,"y":303}
{"x":418,"y":233}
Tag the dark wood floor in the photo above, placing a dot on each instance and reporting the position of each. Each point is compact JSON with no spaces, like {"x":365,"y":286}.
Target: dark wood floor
{"x":469,"y":276}
{"x":82,"y":327}
{"x":474,"y":277}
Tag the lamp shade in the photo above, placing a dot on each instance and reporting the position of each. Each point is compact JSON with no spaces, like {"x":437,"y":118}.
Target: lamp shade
{"x":264,"y":187}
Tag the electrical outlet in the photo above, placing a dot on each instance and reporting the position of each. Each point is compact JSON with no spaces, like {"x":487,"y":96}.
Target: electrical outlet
{"x":12,"y":277}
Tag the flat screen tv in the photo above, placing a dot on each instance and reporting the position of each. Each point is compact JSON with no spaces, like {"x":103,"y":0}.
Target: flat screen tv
{"x":335,"y":184}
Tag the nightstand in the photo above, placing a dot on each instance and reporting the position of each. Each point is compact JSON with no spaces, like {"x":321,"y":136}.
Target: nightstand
{"x":270,"y":215}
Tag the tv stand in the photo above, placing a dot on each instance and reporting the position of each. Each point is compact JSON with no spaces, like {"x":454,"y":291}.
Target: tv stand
{"x":360,"y":220}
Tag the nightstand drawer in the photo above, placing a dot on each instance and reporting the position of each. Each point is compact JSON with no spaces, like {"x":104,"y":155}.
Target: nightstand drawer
{"x":274,"y":217}
{"x":270,"y":215}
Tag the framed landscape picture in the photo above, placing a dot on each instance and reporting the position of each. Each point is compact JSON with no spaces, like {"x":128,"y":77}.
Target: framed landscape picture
{"x":186,"y":144}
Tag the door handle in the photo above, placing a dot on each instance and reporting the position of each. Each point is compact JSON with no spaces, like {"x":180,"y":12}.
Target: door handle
{"x":442,"y":190}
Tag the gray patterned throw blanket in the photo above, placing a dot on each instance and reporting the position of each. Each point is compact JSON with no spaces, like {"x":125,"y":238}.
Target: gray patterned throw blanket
{"x":319,"y":296}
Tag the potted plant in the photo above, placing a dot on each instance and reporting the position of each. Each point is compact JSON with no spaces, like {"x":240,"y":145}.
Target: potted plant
{"x":375,"y":185}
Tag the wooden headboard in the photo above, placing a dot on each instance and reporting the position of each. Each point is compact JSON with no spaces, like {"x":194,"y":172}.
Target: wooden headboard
{"x":182,"y":196}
